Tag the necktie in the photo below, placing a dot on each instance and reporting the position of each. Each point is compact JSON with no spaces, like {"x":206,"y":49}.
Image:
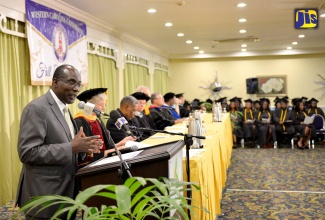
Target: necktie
{"x":68,"y":119}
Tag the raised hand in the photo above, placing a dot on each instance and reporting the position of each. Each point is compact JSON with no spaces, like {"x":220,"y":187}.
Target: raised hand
{"x":83,"y":144}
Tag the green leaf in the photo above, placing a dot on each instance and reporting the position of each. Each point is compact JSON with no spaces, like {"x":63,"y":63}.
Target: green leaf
{"x":123,"y":199}
{"x":140,"y":194}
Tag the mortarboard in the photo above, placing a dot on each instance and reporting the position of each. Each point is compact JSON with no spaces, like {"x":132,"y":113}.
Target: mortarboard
{"x":313,"y":100}
{"x":179,"y":95}
{"x":248,"y":100}
{"x":88,"y":94}
{"x":168,"y":96}
{"x":140,"y":96}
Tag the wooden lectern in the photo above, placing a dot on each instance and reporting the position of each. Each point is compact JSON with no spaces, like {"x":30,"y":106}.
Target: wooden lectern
{"x":164,"y":160}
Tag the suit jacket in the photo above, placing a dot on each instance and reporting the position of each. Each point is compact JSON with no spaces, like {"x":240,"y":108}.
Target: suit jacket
{"x":44,"y":148}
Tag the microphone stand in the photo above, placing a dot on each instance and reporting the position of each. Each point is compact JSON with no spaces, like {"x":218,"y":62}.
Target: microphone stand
{"x":188,"y":139}
{"x":125,"y":169}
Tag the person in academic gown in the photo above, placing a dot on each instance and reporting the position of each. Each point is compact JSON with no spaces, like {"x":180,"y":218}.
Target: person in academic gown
{"x":236,"y":118}
{"x":277,"y":102}
{"x":283,"y":118}
{"x":257,"y":106}
{"x":144,"y":120}
{"x":128,"y":109}
{"x":314,"y":109}
{"x":184,"y":107}
{"x":305,"y":130}
{"x":304,"y":101}
{"x":265,"y":128}
{"x":249,"y":126}
{"x":171,"y":104}
{"x":238,"y":103}
{"x":91,"y":125}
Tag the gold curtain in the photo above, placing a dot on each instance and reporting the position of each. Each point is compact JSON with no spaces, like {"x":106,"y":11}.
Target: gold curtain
{"x":160,"y":79}
{"x":134,"y":76}
{"x":16,"y":92}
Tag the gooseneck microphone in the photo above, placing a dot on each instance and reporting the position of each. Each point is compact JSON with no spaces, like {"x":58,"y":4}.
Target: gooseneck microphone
{"x":120,"y":122}
{"x":81,"y":105}
{"x":124,"y":150}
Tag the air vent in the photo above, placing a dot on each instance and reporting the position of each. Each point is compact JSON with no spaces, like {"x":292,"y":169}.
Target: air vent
{"x":237,"y":40}
{"x":321,"y":6}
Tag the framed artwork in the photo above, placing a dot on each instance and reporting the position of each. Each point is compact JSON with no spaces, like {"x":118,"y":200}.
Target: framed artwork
{"x":272,"y":85}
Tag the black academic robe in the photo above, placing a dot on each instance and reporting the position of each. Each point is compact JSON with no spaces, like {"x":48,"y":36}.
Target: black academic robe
{"x":118,"y":135}
{"x":300,"y":128}
{"x":263,"y":128}
{"x":248,"y":128}
{"x":184,"y":113}
{"x":162,"y":117}
{"x":144,"y":123}
{"x":236,"y":119}
{"x":285,"y":115}
{"x":315,"y":111}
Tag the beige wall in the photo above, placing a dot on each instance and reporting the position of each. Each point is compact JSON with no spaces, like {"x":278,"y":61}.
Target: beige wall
{"x":187,"y":75}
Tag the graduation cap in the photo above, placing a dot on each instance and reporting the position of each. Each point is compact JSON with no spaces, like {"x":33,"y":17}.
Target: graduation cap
{"x":304,"y":98}
{"x":88,"y":94}
{"x":295,"y":101}
{"x":265,"y":100}
{"x":179,"y":95}
{"x":168,"y":96}
{"x":235,"y":99}
{"x":140,"y":96}
{"x":248,"y":100}
{"x":257,"y":101}
{"x":284,"y":99}
{"x":276,"y":100}
{"x":209,"y":101}
{"x":313,"y":100}
{"x":220,"y":100}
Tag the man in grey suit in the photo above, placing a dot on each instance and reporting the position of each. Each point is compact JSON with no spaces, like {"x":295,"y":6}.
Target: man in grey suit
{"x":49,"y":144}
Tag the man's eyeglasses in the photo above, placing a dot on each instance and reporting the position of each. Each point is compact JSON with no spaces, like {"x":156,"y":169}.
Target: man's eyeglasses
{"x":71,"y":83}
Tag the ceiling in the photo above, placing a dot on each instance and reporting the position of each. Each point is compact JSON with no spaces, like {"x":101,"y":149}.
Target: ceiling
{"x":203,"y":21}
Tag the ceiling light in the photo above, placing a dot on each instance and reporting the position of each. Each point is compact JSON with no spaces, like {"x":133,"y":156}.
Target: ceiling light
{"x":201,"y":51}
{"x":241,"y":5}
{"x":242,"y":31}
{"x":151,"y":10}
{"x":188,"y":41}
{"x":289,"y":48}
{"x":301,"y":36}
{"x":180,"y":34}
{"x":196,"y":48}
{"x":168,"y":24}
{"x":294,"y":43}
{"x":243,"y":50}
{"x":242,"y":20}
{"x":244,"y":45}
{"x":322,"y":15}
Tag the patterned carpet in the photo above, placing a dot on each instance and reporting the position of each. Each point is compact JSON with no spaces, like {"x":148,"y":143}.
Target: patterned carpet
{"x":275,"y":184}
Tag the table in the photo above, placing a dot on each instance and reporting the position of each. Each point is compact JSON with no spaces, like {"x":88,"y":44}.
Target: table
{"x":208,"y":165}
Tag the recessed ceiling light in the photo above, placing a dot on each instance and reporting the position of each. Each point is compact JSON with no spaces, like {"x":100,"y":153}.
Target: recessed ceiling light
{"x":244,"y":45}
{"x":241,"y":5}
{"x":180,"y":34}
{"x":242,"y":20}
{"x":243,"y":50}
{"x":301,"y":36}
{"x":294,"y":43}
{"x":168,"y":24}
{"x":188,"y":41}
{"x":242,"y":31}
{"x":201,"y":51}
{"x":152,"y":10}
{"x":289,"y":48}
{"x":322,"y":15}
{"x":196,"y":48}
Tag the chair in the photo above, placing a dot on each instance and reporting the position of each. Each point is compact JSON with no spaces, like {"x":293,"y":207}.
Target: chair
{"x":319,"y":126}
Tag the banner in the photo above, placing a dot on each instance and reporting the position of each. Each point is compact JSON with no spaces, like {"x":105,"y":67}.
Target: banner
{"x":54,"y":39}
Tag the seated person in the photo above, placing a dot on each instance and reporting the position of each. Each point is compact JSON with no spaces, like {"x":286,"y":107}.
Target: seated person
{"x":91,"y":125}
{"x":128,"y":108}
{"x":283,"y":118}
{"x":313,"y":109}
{"x":236,"y":118}
{"x":145,"y":121}
{"x":161,"y":117}
{"x":249,"y":127}
{"x":303,"y":129}
{"x":265,"y":128}
{"x":172,"y":104}
{"x":257,"y":106}
{"x":145,"y":90}
{"x":184,"y":107}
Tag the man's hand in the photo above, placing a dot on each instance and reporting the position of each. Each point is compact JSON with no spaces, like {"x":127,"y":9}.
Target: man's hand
{"x":83,"y":144}
{"x":128,"y":138}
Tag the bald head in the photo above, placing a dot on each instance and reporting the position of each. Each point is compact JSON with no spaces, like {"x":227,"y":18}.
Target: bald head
{"x":143,"y":89}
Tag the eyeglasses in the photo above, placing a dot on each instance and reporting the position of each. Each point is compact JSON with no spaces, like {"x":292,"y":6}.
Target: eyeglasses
{"x":71,"y":83}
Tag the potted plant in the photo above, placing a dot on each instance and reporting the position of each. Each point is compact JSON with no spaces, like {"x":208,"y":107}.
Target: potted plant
{"x":136,"y":199}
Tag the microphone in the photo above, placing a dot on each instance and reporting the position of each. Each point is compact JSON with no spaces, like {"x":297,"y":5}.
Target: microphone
{"x":90,"y":107}
{"x":124,"y":150}
{"x":120,"y":122}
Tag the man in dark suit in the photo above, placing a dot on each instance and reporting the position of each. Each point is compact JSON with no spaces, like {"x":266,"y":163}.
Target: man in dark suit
{"x":48,"y":143}
{"x":128,"y":108}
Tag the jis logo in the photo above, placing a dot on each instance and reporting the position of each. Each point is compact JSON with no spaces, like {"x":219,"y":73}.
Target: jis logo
{"x":306,"y":18}
{"x":60,"y":43}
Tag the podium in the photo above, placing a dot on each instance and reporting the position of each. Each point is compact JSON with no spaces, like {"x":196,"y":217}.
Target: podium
{"x":163,"y":160}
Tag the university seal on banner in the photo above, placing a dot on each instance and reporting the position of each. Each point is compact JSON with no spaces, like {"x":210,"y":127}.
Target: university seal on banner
{"x":60,"y":43}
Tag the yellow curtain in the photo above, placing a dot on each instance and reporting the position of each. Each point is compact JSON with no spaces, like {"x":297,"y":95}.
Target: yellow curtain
{"x":16,"y":92}
{"x":160,"y":79}
{"x":101,"y":73}
{"x":134,"y":76}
